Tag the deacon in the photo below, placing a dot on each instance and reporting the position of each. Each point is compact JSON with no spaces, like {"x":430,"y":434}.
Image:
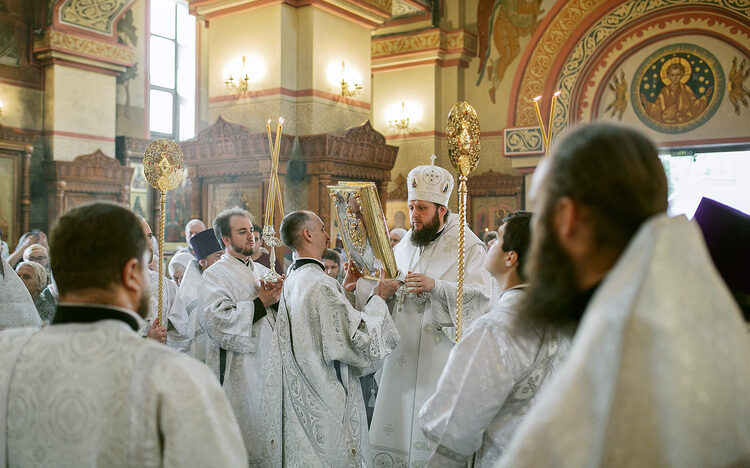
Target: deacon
{"x":658,"y":373}
{"x":321,"y":345}
{"x":494,"y":373}
{"x":109,"y":397}
{"x":425,"y":315}
{"x":207,"y":251}
{"x":239,"y":322}
{"x":175,"y":330}
{"x":16,"y":306}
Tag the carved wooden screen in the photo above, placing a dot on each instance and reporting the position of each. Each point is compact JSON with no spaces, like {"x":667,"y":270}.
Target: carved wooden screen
{"x":89,"y":177}
{"x":361,"y":155}
{"x":492,"y":196}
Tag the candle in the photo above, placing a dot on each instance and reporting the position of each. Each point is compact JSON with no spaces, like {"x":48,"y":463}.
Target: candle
{"x":269,"y":196}
{"x":541,"y":123}
{"x":274,"y":159}
{"x":276,"y":185}
{"x":551,"y":119}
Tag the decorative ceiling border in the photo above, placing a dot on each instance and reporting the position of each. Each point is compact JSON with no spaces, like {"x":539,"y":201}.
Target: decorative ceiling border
{"x":53,"y":41}
{"x":435,"y":39}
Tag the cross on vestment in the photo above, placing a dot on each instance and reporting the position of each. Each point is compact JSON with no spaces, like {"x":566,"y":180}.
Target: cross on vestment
{"x":401,"y":360}
{"x":388,"y":429}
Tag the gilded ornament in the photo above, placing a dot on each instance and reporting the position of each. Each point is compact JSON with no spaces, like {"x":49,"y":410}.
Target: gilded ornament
{"x":164,"y":168}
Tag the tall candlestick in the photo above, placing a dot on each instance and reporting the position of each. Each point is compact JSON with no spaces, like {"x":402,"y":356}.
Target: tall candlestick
{"x":541,"y":123}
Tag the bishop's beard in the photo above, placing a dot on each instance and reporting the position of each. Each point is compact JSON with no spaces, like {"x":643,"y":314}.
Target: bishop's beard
{"x":552,"y":287}
{"x":427,"y":233}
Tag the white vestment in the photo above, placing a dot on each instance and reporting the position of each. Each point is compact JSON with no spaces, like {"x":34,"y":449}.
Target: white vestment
{"x":314,"y":413}
{"x":228,"y":289}
{"x":179,"y":335}
{"x":99,"y":395}
{"x":489,"y":383}
{"x":16,"y":306}
{"x":659,"y":370}
{"x":188,"y":294}
{"x":426,"y":325}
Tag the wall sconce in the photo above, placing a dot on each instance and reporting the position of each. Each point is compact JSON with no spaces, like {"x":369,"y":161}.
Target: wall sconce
{"x":401,"y":120}
{"x":350,"y":85}
{"x":246,"y":72}
{"x":1,"y":107}
{"x":401,"y":116}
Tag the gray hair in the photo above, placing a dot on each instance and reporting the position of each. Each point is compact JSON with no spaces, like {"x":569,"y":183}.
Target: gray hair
{"x":39,"y":270}
{"x":221,"y":222}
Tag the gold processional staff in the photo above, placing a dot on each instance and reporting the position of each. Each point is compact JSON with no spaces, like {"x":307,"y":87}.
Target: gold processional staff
{"x":274,"y":195}
{"x":164,"y":167}
{"x":463,"y":150}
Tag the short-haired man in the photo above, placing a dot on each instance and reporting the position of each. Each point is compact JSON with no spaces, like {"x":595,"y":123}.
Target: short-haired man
{"x":321,"y":345}
{"x":175,"y":328}
{"x":658,"y":373}
{"x":34,"y":277}
{"x":239,"y":321}
{"x":207,"y":252}
{"x":332,"y":263}
{"x":425,"y":314}
{"x":109,"y":398}
{"x":469,"y":415}
{"x":193,"y":227}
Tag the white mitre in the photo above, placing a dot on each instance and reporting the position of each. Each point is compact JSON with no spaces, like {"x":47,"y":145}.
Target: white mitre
{"x":430,"y":183}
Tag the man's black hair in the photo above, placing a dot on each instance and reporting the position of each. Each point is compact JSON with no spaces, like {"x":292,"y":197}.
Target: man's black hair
{"x":90,"y":245}
{"x":517,"y":237}
{"x":291,"y":228}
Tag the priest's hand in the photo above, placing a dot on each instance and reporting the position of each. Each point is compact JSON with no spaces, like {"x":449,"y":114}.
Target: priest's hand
{"x":157,"y":333}
{"x":351,"y":277}
{"x":386,"y":287}
{"x":270,"y":291}
{"x":419,"y":283}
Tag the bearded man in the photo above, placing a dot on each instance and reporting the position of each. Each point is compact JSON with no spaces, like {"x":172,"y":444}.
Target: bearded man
{"x":109,"y":398}
{"x":658,"y":373}
{"x":239,"y":322}
{"x":424,"y":310}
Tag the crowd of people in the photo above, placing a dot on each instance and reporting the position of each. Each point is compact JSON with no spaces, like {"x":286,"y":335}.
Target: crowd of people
{"x":597,"y":331}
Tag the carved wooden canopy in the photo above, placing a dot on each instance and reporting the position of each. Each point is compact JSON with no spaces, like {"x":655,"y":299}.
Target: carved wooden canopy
{"x":18,"y":146}
{"x":88,"y":177}
{"x":227,"y":152}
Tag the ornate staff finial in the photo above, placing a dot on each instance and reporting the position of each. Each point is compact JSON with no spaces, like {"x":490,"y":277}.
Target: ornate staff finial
{"x":463,"y":150}
{"x":164,"y":168}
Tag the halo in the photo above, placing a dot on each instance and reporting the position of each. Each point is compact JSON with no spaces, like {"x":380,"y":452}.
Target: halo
{"x":163,"y":164}
{"x":685,"y":66}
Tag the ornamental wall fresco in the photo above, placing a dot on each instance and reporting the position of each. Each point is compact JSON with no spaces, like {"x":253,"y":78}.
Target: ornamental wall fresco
{"x":612,"y":61}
